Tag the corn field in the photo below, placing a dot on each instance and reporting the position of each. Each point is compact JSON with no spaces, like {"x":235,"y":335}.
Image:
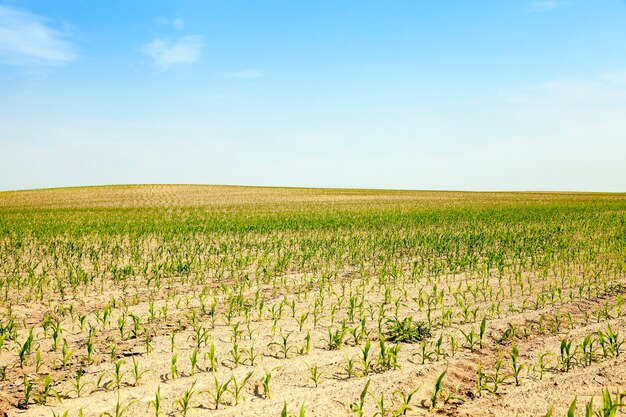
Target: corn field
{"x":232,"y":301}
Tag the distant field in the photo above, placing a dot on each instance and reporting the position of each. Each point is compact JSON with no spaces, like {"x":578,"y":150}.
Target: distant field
{"x":108,"y":294}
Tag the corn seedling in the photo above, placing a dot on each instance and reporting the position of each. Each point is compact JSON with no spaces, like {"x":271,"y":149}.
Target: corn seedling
{"x":117,"y":373}
{"x":77,"y":385}
{"x":425,"y":352}
{"x":211,"y":356}
{"x":335,"y":338}
{"x":156,"y":403}
{"x":437,"y":390}
{"x":28,"y":388}
{"x":239,"y":386}
{"x":218,"y":392}
{"x":184,"y":402}
{"x":174,"y":367}
{"x":516,"y":367}
{"x":285,"y":413}
{"x":357,"y":407}
{"x":314,"y":373}
{"x":119,"y":408}
{"x":567,"y":356}
{"x":265,"y":382}
{"x":405,"y":401}
{"x":136,"y":373}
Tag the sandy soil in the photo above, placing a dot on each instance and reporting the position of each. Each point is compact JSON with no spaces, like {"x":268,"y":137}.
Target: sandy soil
{"x":290,"y":383}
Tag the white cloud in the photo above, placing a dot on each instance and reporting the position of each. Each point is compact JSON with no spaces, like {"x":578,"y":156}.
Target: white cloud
{"x":27,"y":40}
{"x":165,"y":53}
{"x":250,"y":73}
{"x":545,"y":5}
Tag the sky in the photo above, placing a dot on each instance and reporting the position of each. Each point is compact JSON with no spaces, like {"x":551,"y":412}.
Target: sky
{"x":406,"y":94}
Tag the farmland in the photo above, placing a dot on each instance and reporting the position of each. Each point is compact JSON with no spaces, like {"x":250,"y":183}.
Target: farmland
{"x":229,"y":301}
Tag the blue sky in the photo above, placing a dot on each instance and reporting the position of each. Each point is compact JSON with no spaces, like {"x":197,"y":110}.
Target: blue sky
{"x":473,"y":95}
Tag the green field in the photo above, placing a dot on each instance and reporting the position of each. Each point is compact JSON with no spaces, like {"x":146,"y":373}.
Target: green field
{"x":139,"y":274}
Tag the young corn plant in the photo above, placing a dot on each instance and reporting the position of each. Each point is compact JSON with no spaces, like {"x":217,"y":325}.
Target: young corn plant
{"x":496,"y":378}
{"x":283,"y":346}
{"x":335,"y":338}
{"x":217,"y":394}
{"x":200,"y":336}
{"x":77,"y":385}
{"x":250,"y":356}
{"x":470,"y":339}
{"x":172,"y":341}
{"x":425,"y":352}
{"x":388,"y":356}
{"x":236,"y":354}
{"x":285,"y":413}
{"x":405,"y":401}
{"x":349,"y":366}
{"x":239,"y":386}
{"x":367,"y":362}
{"x":380,"y":403}
{"x":184,"y":402}
{"x":265,"y":382}
{"x":481,"y":334}
{"x":516,"y":367}
{"x":136,"y":373}
{"x":480,"y":380}
{"x":454,"y":344}
{"x":571,"y":411}
{"x":567,"y":355}
{"x":211,"y":356}
{"x":439,"y":349}
{"x":587,"y":350}
{"x":90,"y":350}
{"x":66,"y":354}
{"x":28,"y":388}
{"x":542,"y":363}
{"x":193,"y":359}
{"x":314,"y":374}
{"x":174,"y":373}
{"x":357,"y":407}
{"x":156,"y":403}
{"x":610,"y":342}
{"x":25,"y":348}
{"x":120,"y":409}
{"x":437,"y":390}
{"x":302,"y":320}
{"x":610,"y":406}
{"x":47,"y":391}
{"x":37,"y":360}
{"x":117,"y":373}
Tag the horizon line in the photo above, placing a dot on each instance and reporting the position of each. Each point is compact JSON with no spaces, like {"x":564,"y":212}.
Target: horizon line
{"x":529,"y":191}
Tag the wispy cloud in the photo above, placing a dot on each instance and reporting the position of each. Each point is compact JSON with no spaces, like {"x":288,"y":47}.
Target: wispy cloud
{"x":605,"y":90}
{"x":250,"y":73}
{"x":546,"y":5}
{"x":574,"y":110}
{"x":27,"y":40}
{"x":165,"y":52}
{"x":177,"y":22}
{"x":615,"y":77}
